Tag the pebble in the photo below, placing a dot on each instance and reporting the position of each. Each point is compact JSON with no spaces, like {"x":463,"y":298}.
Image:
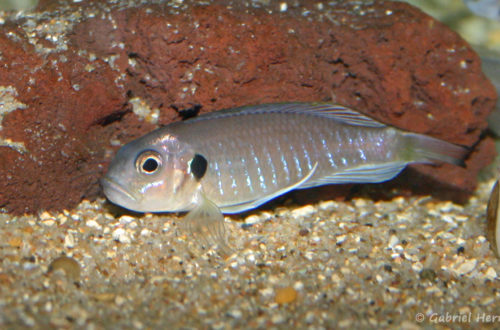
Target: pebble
{"x":16,"y":242}
{"x":298,"y":285}
{"x":465,"y":267}
{"x":346,"y":323}
{"x":121,"y":236}
{"x":310,"y":317}
{"x":235,"y":313}
{"x":393,"y":240}
{"x":93,"y":224}
{"x":340,"y":238}
{"x":45,"y":216}
{"x":304,"y":211}
{"x":428,"y":274}
{"x":433,"y":290}
{"x":68,"y":265}
{"x":327,"y":205}
{"x":62,"y":219}
{"x":360,"y":203}
{"x":407,"y":325}
{"x":252,"y":219}
{"x":104,"y":296}
{"x":119,"y":300}
{"x":278,"y":319}
{"x":303,"y":232}
{"x":69,"y":241}
{"x":464,"y":310}
{"x":145,"y":232}
{"x":49,"y":222}
{"x":126,"y":219}
{"x":491,"y":273}
{"x":266,"y":292}
{"x":285,"y":295}
{"x":487,"y":301}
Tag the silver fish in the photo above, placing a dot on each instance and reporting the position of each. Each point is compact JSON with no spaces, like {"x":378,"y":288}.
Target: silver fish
{"x":234,"y":160}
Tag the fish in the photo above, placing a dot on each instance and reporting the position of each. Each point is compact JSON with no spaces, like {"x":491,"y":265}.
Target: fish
{"x":235,"y":160}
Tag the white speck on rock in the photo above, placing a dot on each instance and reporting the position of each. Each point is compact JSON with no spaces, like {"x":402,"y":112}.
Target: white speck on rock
{"x":9,"y":103}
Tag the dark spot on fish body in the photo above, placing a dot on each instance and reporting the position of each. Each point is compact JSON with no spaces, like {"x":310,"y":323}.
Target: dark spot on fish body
{"x":198,"y":166}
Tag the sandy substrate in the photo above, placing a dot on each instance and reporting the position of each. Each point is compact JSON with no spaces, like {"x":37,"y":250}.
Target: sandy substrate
{"x":360,"y":263}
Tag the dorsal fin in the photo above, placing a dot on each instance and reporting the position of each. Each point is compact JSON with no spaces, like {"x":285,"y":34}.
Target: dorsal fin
{"x":331,"y":111}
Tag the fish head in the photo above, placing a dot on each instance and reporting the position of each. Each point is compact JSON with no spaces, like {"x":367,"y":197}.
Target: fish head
{"x":152,"y":174}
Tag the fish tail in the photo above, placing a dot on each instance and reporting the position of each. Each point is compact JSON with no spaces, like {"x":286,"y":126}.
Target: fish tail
{"x":423,"y":148}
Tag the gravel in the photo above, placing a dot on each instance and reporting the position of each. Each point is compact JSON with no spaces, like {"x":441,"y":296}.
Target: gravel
{"x":361,"y":263}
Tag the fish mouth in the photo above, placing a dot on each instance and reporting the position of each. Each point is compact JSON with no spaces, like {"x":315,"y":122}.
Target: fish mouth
{"x":111,"y":185}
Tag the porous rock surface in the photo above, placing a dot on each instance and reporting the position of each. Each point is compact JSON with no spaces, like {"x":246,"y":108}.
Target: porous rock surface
{"x":69,"y":71}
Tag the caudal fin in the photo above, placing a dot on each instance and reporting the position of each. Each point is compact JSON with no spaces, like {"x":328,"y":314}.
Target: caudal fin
{"x":424,"y":148}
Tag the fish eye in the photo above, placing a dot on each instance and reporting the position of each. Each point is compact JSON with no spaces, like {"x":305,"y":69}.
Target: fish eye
{"x":148,"y":162}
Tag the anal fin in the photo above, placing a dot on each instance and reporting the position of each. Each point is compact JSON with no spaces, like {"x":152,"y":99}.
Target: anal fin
{"x":361,"y":174}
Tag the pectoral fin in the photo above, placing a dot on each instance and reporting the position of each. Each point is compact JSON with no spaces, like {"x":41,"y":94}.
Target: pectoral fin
{"x":206,"y":224}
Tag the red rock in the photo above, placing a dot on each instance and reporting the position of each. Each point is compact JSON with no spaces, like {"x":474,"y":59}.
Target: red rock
{"x":388,"y":60}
